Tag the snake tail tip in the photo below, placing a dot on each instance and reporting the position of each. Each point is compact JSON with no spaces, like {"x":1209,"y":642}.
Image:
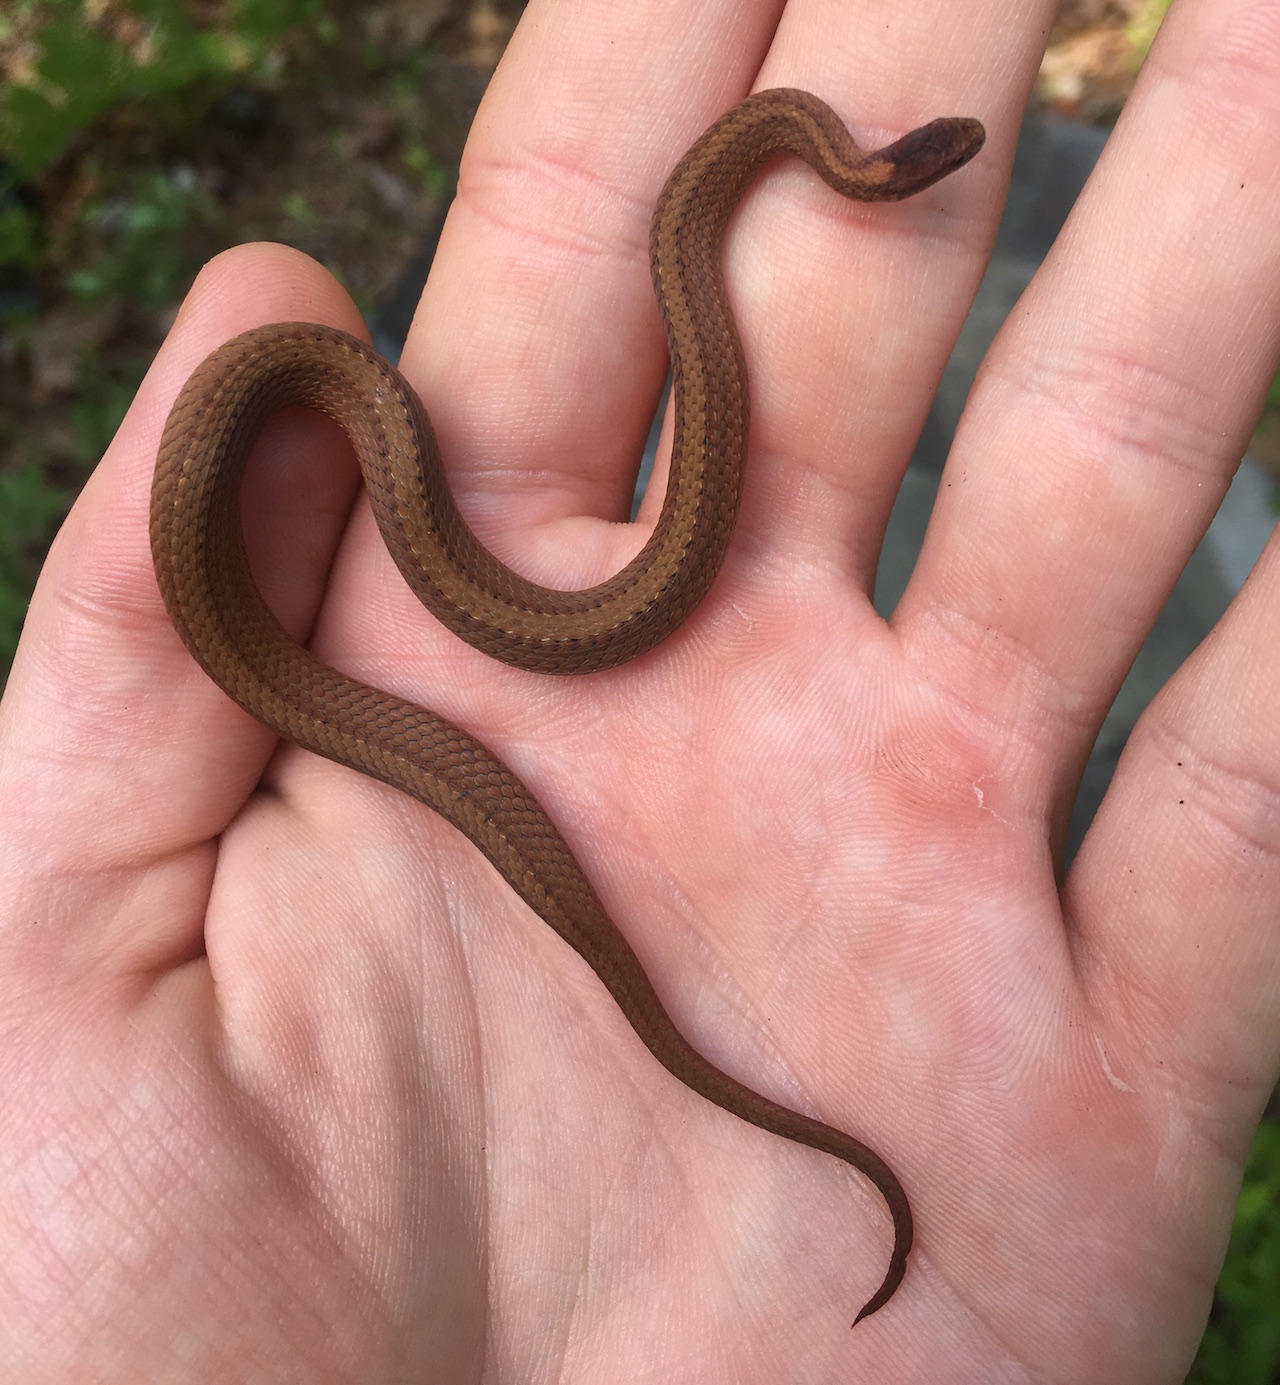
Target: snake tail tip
{"x":885,"y":1292}
{"x":871,"y":1306}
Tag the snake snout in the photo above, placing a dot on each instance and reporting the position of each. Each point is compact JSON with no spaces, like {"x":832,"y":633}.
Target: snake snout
{"x":920,"y":158}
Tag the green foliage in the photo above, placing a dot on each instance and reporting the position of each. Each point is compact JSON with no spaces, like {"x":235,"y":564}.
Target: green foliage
{"x":29,"y":507}
{"x":433,"y":177}
{"x":150,"y":64}
{"x":136,"y":239}
{"x":1141,"y":30}
{"x":1242,"y":1343}
{"x":106,"y":390}
{"x":85,"y":68}
{"x":19,"y":240}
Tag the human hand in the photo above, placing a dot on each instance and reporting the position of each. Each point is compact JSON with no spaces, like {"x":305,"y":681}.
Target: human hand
{"x":295,"y":1088}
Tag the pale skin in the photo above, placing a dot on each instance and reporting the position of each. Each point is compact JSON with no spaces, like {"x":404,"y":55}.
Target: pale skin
{"x":292,"y":1088}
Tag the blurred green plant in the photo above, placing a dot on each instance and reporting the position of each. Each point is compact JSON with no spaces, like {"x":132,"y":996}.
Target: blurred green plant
{"x":18,"y":235}
{"x":89,"y":59}
{"x":29,"y":506}
{"x":106,"y":390}
{"x":1242,"y":1343}
{"x":80,"y":62}
{"x":433,"y":176}
{"x":1141,"y":29}
{"x":135,"y":239}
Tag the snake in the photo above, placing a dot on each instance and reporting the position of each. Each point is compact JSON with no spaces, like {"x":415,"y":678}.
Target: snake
{"x":204,"y":577}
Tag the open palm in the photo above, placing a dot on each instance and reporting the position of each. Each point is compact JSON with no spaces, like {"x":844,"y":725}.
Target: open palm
{"x":294,"y":1088}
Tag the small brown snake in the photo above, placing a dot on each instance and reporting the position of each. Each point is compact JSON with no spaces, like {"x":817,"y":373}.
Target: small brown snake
{"x":204,"y":574}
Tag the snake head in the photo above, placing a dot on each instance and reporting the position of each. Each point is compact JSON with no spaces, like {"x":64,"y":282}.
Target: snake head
{"x":920,"y":158}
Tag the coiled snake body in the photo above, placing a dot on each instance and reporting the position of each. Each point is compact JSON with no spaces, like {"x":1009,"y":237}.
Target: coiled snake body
{"x":204,"y":574}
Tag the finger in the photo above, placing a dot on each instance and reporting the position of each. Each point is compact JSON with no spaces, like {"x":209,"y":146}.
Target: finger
{"x":537,"y":348}
{"x":1114,"y":406}
{"x":1174,"y":892}
{"x":116,"y":747}
{"x":848,"y":312}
